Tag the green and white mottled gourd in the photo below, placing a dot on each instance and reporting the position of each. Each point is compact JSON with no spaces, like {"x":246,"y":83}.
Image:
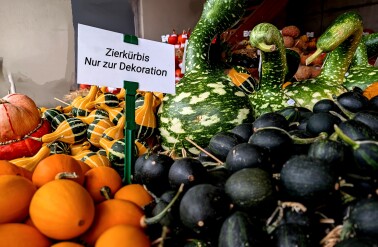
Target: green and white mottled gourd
{"x":206,"y":101}
{"x":340,"y":41}
{"x":269,"y":96}
{"x":361,"y":74}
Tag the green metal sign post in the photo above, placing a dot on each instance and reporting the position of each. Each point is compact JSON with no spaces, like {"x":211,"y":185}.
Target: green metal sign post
{"x":131,"y":88}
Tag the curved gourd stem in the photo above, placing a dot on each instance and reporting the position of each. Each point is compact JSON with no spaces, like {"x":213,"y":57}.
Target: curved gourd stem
{"x":340,"y":41}
{"x":268,"y":39}
{"x":215,"y":18}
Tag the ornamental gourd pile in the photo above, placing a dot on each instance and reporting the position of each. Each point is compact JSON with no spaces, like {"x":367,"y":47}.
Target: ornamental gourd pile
{"x":255,"y":170}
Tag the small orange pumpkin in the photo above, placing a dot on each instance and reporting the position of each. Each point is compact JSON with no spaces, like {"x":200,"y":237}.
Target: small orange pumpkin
{"x":135,"y":193}
{"x":110,"y":213}
{"x":102,"y":183}
{"x":55,"y":165}
{"x":67,"y":244}
{"x":16,"y":194}
{"x":8,"y":168}
{"x":123,"y":236}
{"x":19,"y":235}
{"x":62,"y":209}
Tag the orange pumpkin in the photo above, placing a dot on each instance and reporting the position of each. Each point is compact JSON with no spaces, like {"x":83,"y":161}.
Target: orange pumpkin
{"x":123,"y":236}
{"x":67,"y":244}
{"x":14,"y":110}
{"x":102,"y":183}
{"x":110,"y":213}
{"x":135,"y":193}
{"x":62,"y":209}
{"x":8,"y":168}
{"x":84,"y":167}
{"x":55,"y":165}
{"x":16,"y":194}
{"x":20,"y":235}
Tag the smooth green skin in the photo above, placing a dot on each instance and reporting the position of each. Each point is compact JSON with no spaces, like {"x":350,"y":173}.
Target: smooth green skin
{"x":340,"y":41}
{"x":269,"y":96}
{"x":361,"y":74}
{"x":206,"y":102}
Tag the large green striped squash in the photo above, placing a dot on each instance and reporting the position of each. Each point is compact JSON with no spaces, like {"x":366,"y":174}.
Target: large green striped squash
{"x":206,"y":101}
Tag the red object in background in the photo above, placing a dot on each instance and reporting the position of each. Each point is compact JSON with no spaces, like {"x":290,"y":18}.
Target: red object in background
{"x":84,"y":86}
{"x":182,"y":37}
{"x":113,"y":90}
{"x":26,"y":147}
{"x":178,"y":74}
{"x":172,"y":39}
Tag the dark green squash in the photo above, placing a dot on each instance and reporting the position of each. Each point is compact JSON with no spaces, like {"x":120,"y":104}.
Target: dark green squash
{"x":206,"y":101}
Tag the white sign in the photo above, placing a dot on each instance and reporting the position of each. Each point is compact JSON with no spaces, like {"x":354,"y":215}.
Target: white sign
{"x":104,"y":59}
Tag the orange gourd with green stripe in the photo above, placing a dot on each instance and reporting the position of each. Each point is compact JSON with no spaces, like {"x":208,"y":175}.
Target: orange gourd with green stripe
{"x":145,"y":118}
{"x":79,"y":104}
{"x":96,"y":129}
{"x":71,"y":130}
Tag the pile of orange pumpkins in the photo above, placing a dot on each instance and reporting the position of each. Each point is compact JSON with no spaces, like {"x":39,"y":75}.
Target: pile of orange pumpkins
{"x":67,"y":199}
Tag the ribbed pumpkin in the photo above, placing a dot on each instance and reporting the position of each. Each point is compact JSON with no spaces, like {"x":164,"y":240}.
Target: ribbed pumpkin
{"x":8,"y":168}
{"x":16,"y":194}
{"x":53,"y":166}
{"x":123,"y":235}
{"x":110,"y":213}
{"x":15,"y":109}
{"x":102,"y":183}
{"x":135,"y":193}
{"x":62,"y":209}
{"x":20,"y":235}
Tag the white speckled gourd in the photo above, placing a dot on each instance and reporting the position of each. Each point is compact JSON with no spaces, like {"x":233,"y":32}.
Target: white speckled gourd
{"x":340,"y":41}
{"x":361,"y":74}
{"x":269,"y":96}
{"x":206,"y":101}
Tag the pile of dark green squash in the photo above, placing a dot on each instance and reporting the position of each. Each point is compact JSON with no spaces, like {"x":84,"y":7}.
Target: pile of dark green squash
{"x":270,"y":165}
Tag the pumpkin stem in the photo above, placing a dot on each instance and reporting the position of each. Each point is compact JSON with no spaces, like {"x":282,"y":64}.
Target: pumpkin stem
{"x":347,"y":113}
{"x":66,"y":175}
{"x":144,"y":222}
{"x":105,"y":191}
{"x":297,"y":140}
{"x":346,"y":138}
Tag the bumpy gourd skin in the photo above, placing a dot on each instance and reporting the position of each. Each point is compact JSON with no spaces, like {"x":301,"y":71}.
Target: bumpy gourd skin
{"x":269,"y":95}
{"x":206,"y":102}
{"x":340,"y":41}
{"x":361,"y":74}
